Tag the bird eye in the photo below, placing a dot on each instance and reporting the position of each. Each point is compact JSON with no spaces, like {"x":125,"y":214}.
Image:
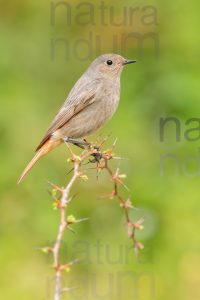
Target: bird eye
{"x":109,"y":62}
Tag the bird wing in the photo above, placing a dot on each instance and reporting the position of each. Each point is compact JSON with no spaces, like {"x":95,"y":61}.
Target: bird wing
{"x":79,"y":98}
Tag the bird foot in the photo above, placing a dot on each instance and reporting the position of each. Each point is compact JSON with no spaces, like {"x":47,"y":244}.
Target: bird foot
{"x":84,"y":144}
{"x":97,"y":156}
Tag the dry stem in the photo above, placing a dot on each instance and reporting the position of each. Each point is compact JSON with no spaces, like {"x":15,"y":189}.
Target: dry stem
{"x":61,"y":197}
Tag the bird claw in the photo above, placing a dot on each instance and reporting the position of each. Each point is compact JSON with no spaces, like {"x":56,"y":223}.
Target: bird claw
{"x":97,"y":157}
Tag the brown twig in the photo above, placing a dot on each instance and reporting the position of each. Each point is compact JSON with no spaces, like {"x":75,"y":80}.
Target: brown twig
{"x":126,"y":204}
{"x":61,"y":197}
{"x":64,"y":222}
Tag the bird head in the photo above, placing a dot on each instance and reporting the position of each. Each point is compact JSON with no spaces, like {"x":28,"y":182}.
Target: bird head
{"x":109,"y":65}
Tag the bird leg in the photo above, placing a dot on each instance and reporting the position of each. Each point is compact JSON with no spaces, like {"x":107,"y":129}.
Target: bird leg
{"x":77,"y":142}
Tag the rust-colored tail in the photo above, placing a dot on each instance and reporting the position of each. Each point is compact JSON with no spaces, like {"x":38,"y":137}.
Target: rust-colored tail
{"x":47,"y":147}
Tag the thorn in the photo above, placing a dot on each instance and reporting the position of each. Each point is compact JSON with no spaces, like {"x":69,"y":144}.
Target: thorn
{"x":72,"y":169}
{"x":140,"y":221}
{"x":71,"y":229}
{"x":70,"y":150}
{"x":76,"y":260}
{"x":105,"y":138}
{"x":121,"y":182}
{"x":120,"y":158}
{"x":108,"y":196}
{"x":55,"y":186}
{"x":97,"y":171}
{"x":69,"y":264}
{"x":114,"y":143}
{"x":81,"y":220}
{"x":64,"y":290}
{"x":73,"y":196}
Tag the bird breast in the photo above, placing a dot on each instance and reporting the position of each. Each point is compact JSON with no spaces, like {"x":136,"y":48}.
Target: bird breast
{"x":109,"y":98}
{"x":94,"y":115}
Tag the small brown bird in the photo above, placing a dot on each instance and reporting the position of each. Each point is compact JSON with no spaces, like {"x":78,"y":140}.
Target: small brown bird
{"x":91,"y":102}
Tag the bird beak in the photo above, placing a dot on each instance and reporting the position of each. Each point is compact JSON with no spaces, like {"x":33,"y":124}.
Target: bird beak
{"x":129,"y":61}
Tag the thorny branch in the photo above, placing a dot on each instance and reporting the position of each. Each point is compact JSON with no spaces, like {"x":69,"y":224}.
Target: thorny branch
{"x":61,"y":197}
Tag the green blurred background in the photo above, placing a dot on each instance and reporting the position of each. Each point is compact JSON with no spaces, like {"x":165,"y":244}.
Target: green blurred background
{"x":34,"y":81}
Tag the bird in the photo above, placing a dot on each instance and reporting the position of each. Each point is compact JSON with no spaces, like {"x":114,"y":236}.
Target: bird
{"x":91,"y":102}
